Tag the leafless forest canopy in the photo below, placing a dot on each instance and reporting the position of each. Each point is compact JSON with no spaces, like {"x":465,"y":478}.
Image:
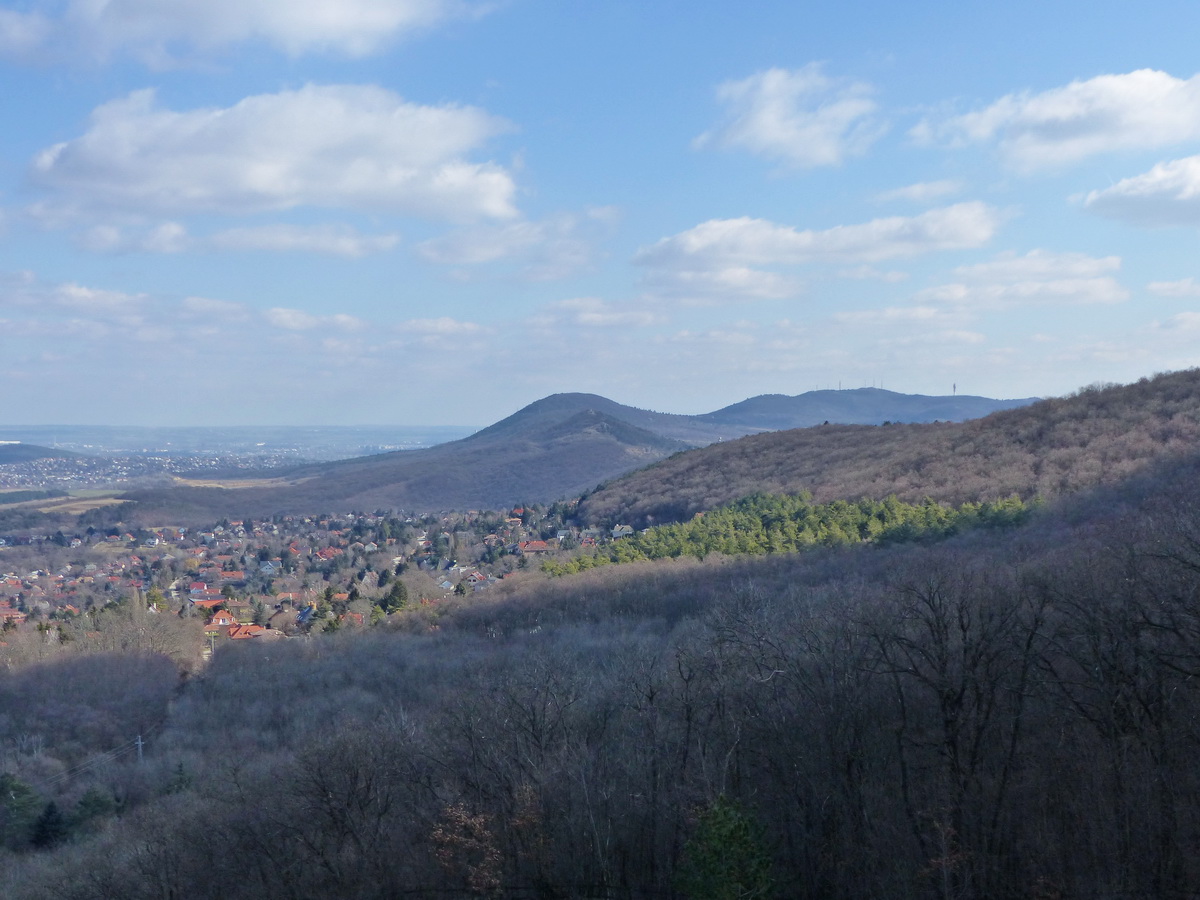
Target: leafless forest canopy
{"x":1008,"y":713}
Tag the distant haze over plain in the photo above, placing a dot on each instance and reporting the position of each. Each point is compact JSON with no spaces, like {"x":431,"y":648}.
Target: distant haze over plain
{"x":317,"y":442}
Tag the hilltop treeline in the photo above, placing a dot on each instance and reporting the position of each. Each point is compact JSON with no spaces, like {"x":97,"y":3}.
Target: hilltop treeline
{"x":1100,"y":435}
{"x":1010,"y":713}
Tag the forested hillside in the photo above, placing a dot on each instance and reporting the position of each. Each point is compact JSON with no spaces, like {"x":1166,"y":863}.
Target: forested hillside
{"x":1010,"y":713}
{"x":1099,"y":435}
{"x":785,"y":523}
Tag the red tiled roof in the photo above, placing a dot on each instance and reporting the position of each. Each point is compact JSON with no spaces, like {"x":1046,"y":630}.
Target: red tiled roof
{"x":241,"y":632}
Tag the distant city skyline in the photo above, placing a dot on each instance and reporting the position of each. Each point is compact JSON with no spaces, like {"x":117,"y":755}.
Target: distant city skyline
{"x":434,"y":212}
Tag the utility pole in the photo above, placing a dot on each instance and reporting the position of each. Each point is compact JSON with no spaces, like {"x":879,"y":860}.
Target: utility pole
{"x":139,"y":746}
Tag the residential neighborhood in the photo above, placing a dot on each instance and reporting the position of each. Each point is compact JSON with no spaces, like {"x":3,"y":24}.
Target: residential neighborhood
{"x":265,"y":579}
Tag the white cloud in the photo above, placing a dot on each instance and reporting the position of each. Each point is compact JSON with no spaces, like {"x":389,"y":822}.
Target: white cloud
{"x":157,"y":32}
{"x":299,"y":320}
{"x":870,"y":273}
{"x":1042,"y":265}
{"x":1003,"y":296}
{"x":483,"y":244}
{"x":718,"y":337}
{"x":372,"y":151}
{"x":705,"y":285}
{"x":724,"y":256}
{"x":1037,"y":278}
{"x":92,"y":300}
{"x":74,"y":311}
{"x":172,"y":237}
{"x":345,"y":322}
{"x":590,"y":312}
{"x":542,"y":251}
{"x":911,"y":326}
{"x":890,"y":316}
{"x":757,"y":241}
{"x":1185,"y":322}
{"x":23,"y":290}
{"x":1185,"y":287}
{"x":21,"y":34}
{"x":923,"y":192}
{"x":800,"y":117}
{"x":940,"y":338}
{"x":168,"y":237}
{"x":1169,"y":194}
{"x":1135,"y":111}
{"x":291,"y":319}
{"x":332,"y":240}
{"x":208,"y":309}
{"x":443,"y":325}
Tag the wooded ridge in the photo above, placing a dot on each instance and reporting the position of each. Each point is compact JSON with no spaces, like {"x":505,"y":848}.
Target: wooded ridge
{"x":1099,"y":435}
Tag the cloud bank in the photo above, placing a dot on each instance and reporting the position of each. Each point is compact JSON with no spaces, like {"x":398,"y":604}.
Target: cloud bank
{"x":160,"y":32}
{"x":726,"y":256}
{"x":1038,"y":278}
{"x":372,"y":151}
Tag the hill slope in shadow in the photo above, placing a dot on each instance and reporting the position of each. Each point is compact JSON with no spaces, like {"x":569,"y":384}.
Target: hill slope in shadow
{"x":543,"y":461}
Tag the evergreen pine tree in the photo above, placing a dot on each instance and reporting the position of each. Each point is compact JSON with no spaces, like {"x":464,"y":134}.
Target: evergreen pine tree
{"x":725,"y":858}
{"x":50,"y":828}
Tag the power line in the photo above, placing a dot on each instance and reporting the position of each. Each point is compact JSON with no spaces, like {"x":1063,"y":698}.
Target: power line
{"x":108,"y":756}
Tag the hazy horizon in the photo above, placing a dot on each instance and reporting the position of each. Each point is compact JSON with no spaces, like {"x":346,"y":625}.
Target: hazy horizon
{"x":32,"y":427}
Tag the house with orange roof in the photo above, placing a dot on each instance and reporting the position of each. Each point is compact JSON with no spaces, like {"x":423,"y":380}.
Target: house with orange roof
{"x":220,"y":623}
{"x":242,"y":632}
{"x":9,"y":613}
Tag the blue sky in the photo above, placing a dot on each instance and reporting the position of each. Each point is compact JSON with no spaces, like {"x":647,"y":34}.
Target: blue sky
{"x":437,"y":211}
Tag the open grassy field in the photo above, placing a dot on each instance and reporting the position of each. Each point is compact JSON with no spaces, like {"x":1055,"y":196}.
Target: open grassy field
{"x":237,"y":483}
{"x":74,"y":503}
{"x":77,"y":506}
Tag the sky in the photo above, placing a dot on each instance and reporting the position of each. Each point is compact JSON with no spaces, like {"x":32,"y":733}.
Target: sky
{"x":433,"y":212}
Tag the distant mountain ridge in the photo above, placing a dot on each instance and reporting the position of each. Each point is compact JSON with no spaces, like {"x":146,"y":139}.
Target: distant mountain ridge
{"x":556,"y":447}
{"x":857,"y":406}
{"x":693,"y":430}
{"x":538,"y":459}
{"x":766,"y":412}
